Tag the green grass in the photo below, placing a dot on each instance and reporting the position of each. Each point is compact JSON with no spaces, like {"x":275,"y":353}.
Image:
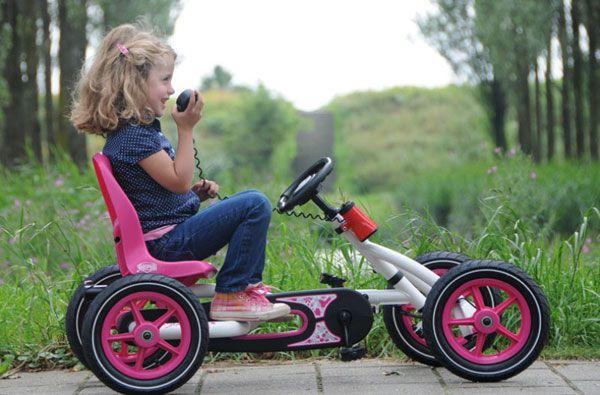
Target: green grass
{"x":55,"y":232}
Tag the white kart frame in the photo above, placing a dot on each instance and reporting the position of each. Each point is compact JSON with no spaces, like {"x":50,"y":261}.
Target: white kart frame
{"x":411,"y":283}
{"x":411,"y":280}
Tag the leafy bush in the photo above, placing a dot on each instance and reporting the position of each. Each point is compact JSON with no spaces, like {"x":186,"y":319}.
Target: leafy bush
{"x":262,"y":123}
{"x":552,"y":197}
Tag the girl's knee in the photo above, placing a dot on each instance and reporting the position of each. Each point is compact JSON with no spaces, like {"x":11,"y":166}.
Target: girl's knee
{"x":259,"y":201}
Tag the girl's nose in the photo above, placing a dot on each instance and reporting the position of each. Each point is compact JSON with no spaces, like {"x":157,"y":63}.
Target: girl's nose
{"x":171,"y":90}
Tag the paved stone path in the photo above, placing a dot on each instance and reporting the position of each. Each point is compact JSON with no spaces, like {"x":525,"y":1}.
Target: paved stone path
{"x":327,"y":377}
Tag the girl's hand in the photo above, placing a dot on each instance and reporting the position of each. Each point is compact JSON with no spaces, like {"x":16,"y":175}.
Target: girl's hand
{"x":187,"y":119}
{"x":205,"y":189}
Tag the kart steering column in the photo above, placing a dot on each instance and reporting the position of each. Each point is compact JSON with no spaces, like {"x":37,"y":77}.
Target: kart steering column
{"x":329,"y":211}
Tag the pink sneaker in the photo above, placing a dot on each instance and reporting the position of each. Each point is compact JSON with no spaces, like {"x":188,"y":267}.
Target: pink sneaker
{"x":261,"y":288}
{"x":248,"y":305}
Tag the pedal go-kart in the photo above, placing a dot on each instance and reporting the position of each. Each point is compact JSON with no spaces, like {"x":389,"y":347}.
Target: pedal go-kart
{"x":140,"y":327}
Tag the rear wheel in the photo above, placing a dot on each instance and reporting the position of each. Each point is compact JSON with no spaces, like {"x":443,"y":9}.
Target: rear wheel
{"x":404,"y":324}
{"x":133,"y":320}
{"x":78,"y":306}
{"x":518,"y":325}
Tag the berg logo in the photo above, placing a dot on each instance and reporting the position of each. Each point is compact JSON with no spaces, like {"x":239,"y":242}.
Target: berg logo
{"x":146,"y":267}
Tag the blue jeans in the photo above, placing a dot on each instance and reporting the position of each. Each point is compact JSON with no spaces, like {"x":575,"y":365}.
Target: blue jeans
{"x":242,"y":221}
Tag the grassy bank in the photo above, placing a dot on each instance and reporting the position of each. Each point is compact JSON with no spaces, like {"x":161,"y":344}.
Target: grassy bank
{"x":384,"y":137}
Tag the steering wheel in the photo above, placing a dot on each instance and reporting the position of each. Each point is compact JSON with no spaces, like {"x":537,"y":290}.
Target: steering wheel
{"x":305,"y":186}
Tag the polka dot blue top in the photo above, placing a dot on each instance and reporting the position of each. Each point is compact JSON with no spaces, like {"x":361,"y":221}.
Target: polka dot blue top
{"x":155,"y":205}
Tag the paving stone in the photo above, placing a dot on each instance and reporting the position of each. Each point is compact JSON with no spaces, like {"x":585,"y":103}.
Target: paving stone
{"x":190,"y":387}
{"x":48,"y":379}
{"x":96,"y":387}
{"x":382,"y":378}
{"x":289,"y":379}
{"x":373,"y":375}
{"x":357,"y":377}
{"x":511,"y":391}
{"x":543,"y":377}
{"x":40,"y":390}
{"x":382,"y":388}
{"x":538,"y":365}
{"x":588,"y":387}
{"x":580,"y":371}
{"x":98,"y":390}
{"x":368,"y":362}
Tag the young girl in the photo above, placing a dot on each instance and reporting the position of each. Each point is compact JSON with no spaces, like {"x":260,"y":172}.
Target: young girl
{"x":121,"y":97}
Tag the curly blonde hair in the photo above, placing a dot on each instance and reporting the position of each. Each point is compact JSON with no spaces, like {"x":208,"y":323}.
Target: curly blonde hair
{"x":114,"y":90}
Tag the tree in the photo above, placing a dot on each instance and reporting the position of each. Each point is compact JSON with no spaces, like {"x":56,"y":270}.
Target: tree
{"x":30,"y":121}
{"x":523,"y":101}
{"x":160,"y":14}
{"x":515,"y":33}
{"x":262,"y":121}
{"x":549,"y":101}
{"x":5,"y":44}
{"x":577,"y":79}
{"x":21,"y":22}
{"x":47,"y":60}
{"x":537,"y":147}
{"x":13,"y":149}
{"x":592,"y":20}
{"x":563,"y":37}
{"x":72,"y":20}
{"x":451,"y":30}
{"x":220,"y":79}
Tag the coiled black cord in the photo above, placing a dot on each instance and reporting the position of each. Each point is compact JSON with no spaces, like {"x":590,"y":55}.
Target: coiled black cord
{"x":291,"y":213}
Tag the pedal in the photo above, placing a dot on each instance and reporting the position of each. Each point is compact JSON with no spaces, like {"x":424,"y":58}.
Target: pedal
{"x":332,"y":281}
{"x":353,"y":353}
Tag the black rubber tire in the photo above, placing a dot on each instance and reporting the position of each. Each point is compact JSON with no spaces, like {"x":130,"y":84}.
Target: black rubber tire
{"x":510,"y":274}
{"x":102,"y":304}
{"x":400,"y":335}
{"x":78,"y":306}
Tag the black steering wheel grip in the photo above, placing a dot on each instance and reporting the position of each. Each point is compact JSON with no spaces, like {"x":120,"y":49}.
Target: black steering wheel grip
{"x":305,"y":186}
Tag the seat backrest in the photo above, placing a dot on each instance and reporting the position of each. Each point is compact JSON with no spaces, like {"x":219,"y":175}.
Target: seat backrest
{"x":127,"y":231}
{"x":132,"y":254}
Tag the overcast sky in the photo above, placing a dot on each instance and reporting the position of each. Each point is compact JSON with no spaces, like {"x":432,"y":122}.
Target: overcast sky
{"x":307,"y":51}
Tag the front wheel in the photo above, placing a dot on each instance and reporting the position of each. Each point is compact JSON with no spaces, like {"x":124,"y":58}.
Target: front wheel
{"x":137,"y":317}
{"x":518,"y":324}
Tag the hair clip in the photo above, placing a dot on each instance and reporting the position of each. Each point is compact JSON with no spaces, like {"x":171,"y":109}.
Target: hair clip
{"x":123,"y":49}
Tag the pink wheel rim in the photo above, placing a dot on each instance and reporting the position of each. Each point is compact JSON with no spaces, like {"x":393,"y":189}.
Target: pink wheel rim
{"x":487,"y":321}
{"x":411,"y":322}
{"x":128,"y":351}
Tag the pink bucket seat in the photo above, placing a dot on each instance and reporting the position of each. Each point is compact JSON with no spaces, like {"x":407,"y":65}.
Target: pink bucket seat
{"x":132,"y":255}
